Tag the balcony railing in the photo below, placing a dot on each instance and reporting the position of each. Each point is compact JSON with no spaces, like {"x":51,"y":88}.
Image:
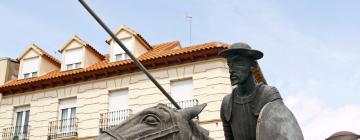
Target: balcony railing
{"x":63,"y":128}
{"x":16,"y":133}
{"x":185,"y":103}
{"x":112,"y":119}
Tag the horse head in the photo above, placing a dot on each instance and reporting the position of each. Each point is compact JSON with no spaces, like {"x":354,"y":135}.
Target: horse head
{"x":161,"y":123}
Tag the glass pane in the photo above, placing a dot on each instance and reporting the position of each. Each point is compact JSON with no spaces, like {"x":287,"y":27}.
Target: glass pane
{"x":19,"y":116}
{"x":26,"y":123}
{"x":64,"y":114}
{"x":73,"y":112}
{"x":118,"y":57}
{"x":77,"y":65}
{"x":69,"y":66}
{"x":73,"y":119}
{"x":34,"y":74}
{"x":64,"y":119}
{"x":26,"y":75}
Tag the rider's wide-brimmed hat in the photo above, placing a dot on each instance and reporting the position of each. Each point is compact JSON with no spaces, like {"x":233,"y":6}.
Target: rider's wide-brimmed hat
{"x":241,"y":49}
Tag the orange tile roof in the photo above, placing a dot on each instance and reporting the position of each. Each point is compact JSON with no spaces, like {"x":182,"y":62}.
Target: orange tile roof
{"x":158,"y":52}
{"x":92,"y":49}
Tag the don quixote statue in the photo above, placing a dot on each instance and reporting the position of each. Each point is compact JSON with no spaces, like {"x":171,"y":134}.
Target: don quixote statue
{"x":253,"y":111}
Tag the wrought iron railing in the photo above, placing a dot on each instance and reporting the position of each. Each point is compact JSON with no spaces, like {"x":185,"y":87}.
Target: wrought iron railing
{"x":185,"y":103}
{"x":16,"y":133}
{"x":114,"y":118}
{"x":63,"y":128}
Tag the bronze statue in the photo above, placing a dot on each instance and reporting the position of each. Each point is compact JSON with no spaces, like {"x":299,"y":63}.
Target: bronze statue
{"x":159,"y":123}
{"x":253,"y":111}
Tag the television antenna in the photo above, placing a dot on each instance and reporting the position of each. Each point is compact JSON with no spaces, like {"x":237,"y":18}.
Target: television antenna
{"x":189,"y":19}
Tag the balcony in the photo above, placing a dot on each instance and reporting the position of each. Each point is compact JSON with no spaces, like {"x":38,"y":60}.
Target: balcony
{"x":16,"y":133}
{"x":185,"y":103}
{"x":63,"y":128}
{"x":112,"y":119}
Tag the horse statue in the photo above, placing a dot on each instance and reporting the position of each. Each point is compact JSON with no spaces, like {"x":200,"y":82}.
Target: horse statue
{"x":159,"y":123}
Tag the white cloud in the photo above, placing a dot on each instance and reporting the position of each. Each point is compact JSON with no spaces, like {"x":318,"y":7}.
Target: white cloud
{"x":318,"y":120}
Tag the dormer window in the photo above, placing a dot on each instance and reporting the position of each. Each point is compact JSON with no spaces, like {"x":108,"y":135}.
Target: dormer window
{"x":132,"y":40}
{"x":36,"y":62}
{"x":78,"y":54}
{"x":30,"y":67}
{"x":73,"y":58}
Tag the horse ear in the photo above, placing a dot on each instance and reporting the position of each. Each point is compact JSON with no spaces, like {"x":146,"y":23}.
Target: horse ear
{"x":191,"y":112}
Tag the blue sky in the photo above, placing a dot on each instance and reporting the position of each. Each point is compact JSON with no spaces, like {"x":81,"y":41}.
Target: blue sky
{"x":311,"y":48}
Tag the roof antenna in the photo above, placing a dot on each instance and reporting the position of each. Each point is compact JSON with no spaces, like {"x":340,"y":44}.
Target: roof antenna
{"x":189,"y":19}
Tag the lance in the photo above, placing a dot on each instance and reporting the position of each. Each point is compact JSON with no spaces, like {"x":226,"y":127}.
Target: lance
{"x":137,"y":62}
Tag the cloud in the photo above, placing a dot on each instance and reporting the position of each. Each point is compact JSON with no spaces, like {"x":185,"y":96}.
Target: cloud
{"x":318,"y":120}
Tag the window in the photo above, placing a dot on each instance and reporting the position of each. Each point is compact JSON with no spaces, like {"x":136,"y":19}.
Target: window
{"x":30,"y":67}
{"x":26,"y":75}
{"x":181,"y":91}
{"x":119,"y":53}
{"x":118,"y":100}
{"x":77,"y":65}
{"x":29,"y":75}
{"x":121,"y":56}
{"x":73,"y":58}
{"x":22,"y":122}
{"x":67,"y":115}
{"x":118,"y":107}
{"x":73,"y":66}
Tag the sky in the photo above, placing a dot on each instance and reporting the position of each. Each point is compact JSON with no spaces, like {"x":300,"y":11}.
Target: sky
{"x":311,"y":48}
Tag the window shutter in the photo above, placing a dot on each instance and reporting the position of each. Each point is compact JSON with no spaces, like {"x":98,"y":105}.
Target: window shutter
{"x":67,"y":103}
{"x":182,"y":90}
{"x":118,"y":100}
{"x":30,"y":65}
{"x":73,"y":56}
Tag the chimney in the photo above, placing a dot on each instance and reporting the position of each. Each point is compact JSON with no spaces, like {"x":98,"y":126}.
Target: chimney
{"x":9,"y":69}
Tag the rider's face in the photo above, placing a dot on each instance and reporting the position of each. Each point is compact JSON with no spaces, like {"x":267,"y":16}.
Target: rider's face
{"x":240,"y":69}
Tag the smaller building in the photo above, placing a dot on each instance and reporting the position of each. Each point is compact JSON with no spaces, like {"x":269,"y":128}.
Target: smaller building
{"x":8,"y":69}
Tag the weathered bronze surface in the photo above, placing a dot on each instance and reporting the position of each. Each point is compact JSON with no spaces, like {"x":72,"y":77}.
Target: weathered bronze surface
{"x":240,"y":110}
{"x":161,"y":123}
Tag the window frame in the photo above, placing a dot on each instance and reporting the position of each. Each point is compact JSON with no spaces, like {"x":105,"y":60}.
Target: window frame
{"x":21,"y":126}
{"x":67,"y":124}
